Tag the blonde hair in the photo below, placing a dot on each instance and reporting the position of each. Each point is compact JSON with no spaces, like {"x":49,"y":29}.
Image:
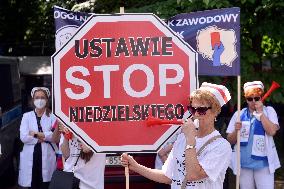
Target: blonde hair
{"x":206,"y":97}
{"x":253,"y":92}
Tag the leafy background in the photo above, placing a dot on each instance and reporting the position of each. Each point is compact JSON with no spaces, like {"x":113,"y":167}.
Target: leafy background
{"x":27,"y":28}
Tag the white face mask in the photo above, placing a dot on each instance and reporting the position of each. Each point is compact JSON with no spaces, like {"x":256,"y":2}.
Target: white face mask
{"x":39,"y":103}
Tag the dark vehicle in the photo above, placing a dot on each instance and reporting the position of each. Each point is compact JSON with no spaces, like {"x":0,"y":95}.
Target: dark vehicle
{"x":10,"y":117}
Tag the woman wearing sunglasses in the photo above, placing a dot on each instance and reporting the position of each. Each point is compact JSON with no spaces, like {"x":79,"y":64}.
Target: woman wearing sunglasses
{"x":199,"y":158}
{"x":258,"y":125}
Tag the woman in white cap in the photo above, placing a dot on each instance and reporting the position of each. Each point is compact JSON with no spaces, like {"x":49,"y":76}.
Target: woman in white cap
{"x":38,"y":158}
{"x":199,"y":158}
{"x":258,"y":125}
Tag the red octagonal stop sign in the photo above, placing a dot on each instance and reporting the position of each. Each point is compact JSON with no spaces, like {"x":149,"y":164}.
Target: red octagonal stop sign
{"x":115,"y":72}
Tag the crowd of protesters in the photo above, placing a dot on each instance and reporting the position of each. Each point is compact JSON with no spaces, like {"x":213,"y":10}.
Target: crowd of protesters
{"x":195,"y":158}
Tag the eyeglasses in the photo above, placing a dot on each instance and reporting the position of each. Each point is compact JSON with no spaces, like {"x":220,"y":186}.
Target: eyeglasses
{"x":199,"y":110}
{"x":253,"y":98}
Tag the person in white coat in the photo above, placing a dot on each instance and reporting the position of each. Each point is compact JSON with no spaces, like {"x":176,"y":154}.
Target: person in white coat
{"x":199,"y":158}
{"x":258,"y":125}
{"x":38,"y":157}
{"x":88,"y":167}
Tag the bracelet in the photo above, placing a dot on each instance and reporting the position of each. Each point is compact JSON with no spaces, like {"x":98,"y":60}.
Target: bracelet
{"x":189,"y":147}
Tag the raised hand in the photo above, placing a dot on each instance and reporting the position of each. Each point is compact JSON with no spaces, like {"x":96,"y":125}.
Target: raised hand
{"x":259,"y":106}
{"x":189,"y":130}
{"x":218,"y":50}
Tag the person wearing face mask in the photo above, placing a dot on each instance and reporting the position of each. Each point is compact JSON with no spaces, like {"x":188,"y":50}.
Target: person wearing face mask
{"x":258,"y":125}
{"x":38,"y":157}
{"x":199,"y":158}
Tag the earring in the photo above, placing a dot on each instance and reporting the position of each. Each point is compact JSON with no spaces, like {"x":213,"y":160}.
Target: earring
{"x":215,"y":119}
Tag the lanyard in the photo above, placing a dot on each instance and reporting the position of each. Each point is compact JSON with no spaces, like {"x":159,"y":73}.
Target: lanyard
{"x":38,"y":123}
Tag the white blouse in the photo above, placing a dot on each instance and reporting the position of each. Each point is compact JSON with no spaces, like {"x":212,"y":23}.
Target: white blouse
{"x":91,"y":174}
{"x":214,"y":159}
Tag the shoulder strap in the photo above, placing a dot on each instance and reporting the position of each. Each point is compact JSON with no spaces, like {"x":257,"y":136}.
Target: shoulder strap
{"x":76,"y":162}
{"x":183,"y":185}
{"x":38,"y":122}
{"x":206,"y":143}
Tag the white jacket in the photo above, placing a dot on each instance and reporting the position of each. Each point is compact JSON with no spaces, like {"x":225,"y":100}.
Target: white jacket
{"x":29,"y":123}
{"x":272,"y":156}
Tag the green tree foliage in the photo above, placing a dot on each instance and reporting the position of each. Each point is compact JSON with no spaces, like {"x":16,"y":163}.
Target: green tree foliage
{"x":27,"y":28}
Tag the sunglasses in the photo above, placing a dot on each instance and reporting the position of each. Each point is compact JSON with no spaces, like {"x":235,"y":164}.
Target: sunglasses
{"x":199,"y":110}
{"x":253,"y":98}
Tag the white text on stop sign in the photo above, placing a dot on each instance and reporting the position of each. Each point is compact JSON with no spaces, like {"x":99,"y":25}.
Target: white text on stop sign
{"x":108,"y":69}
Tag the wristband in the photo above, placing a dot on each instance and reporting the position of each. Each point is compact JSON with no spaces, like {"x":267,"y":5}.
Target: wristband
{"x":189,"y":147}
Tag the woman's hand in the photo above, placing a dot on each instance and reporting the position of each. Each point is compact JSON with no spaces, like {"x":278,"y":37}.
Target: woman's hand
{"x":259,"y":106}
{"x":188,"y":129}
{"x":238,"y":126}
{"x":164,"y":158}
{"x":62,"y":128}
{"x":127,"y":160}
{"x":40,"y":136}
